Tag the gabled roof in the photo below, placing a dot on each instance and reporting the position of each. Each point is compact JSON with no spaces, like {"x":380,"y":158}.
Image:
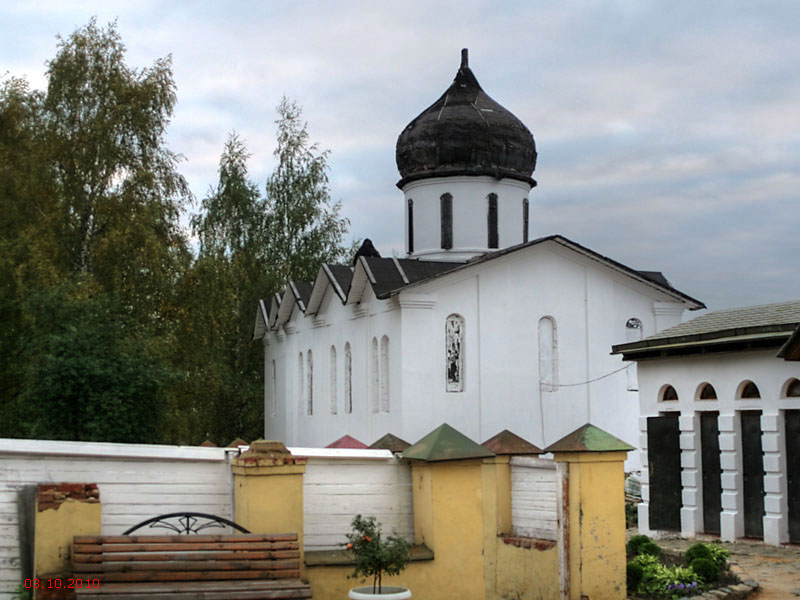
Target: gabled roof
{"x":589,"y":438}
{"x":388,"y":277}
{"x":791,"y":349}
{"x":262,"y":320}
{"x":390,"y":442}
{"x":336,"y":277}
{"x":650,"y":278}
{"x":507,"y":443}
{"x":445,"y":443}
{"x":347,"y":441}
{"x":749,"y":327}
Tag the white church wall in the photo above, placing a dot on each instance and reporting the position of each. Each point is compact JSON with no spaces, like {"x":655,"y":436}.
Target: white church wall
{"x":502,"y":302}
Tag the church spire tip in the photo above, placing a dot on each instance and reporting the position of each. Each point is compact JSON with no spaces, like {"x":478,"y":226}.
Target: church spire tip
{"x":464,"y":58}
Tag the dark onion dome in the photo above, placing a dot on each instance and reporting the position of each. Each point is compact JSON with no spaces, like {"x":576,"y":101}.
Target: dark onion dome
{"x":465,"y":132}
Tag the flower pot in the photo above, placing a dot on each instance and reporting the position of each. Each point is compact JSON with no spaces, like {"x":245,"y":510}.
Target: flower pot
{"x":388,"y":592}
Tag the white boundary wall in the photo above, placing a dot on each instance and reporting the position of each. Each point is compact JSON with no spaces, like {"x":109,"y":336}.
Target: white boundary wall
{"x":534,"y":500}
{"x":136,"y":481}
{"x":339,"y":484}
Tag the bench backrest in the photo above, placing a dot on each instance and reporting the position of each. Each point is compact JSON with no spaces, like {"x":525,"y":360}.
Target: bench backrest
{"x":132,"y":558}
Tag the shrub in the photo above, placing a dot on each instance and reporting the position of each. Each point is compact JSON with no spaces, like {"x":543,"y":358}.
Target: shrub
{"x":631,"y":514}
{"x":705,"y":569}
{"x":634,"y":574}
{"x":718,"y":554}
{"x":635,"y":542}
{"x":659,"y":581}
{"x":698,"y":550}
{"x":650,"y":548}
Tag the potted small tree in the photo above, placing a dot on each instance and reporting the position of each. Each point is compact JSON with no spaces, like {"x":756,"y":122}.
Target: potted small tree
{"x":375,"y":556}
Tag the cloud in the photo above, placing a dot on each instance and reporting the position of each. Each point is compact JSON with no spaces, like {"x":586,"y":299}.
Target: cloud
{"x":668,"y":134}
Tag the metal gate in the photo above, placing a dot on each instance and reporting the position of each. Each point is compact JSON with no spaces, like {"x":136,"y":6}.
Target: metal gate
{"x":664,"y":460}
{"x":712,"y":474}
{"x":752,"y":474}
{"x":793,"y":472}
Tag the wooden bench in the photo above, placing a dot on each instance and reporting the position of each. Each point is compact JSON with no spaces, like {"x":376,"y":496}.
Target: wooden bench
{"x":210,"y":567}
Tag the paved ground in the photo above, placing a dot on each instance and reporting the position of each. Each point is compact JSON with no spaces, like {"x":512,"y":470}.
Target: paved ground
{"x":775,"y":568}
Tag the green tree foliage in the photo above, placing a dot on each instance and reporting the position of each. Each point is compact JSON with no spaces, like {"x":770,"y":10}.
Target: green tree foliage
{"x":220,"y":396}
{"x":109,"y":327}
{"x":93,"y":374}
{"x":304,"y":228}
{"x":90,"y":198}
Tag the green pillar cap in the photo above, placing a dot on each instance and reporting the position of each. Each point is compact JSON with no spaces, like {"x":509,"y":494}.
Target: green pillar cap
{"x":390,"y":442}
{"x":589,"y":438}
{"x":445,"y":443}
{"x":507,"y":443}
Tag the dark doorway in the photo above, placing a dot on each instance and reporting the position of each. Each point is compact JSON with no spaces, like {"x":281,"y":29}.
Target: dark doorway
{"x":664,"y":465}
{"x":712,"y":474}
{"x":752,"y":474}
{"x":793,"y":472}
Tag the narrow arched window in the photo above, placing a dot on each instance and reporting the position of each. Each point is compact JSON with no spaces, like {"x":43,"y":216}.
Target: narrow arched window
{"x":274,"y":410}
{"x":410,"y":226}
{"x":384,"y":376}
{"x":633,"y":333}
{"x":749,"y":390}
{"x":309,"y":384}
{"x":348,"y":379}
{"x":446,"y":209}
{"x":792,"y":388}
{"x":300,"y":382}
{"x":373,"y":375}
{"x":548,"y":354}
{"x":707,"y":392}
{"x":525,"y":209}
{"x":668,"y":394}
{"x":333,"y":380}
{"x":492,"y":221}
{"x":454,"y":353}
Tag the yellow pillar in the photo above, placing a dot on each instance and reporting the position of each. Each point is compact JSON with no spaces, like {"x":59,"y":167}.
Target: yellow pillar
{"x":268,"y":490}
{"x":595,"y":509}
{"x":449,"y":519}
{"x":63,"y":510}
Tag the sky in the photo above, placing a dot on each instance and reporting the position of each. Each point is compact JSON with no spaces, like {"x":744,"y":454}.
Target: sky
{"x":668,"y":133}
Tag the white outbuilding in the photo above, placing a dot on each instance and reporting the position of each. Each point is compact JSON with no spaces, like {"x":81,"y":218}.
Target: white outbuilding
{"x":720,"y":424}
{"x":476,"y":325}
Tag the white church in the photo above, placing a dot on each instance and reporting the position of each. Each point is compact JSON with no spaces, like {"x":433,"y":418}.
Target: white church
{"x":476,"y":325}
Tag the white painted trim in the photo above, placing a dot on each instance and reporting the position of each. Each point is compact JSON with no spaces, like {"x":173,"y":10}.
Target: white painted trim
{"x":112,"y":450}
{"x":342,"y":453}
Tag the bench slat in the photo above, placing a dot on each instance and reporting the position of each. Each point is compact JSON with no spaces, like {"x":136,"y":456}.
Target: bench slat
{"x":131,"y":576}
{"x":210,"y":590}
{"x":182,"y":547}
{"x":158,"y":539}
{"x":187,"y":565}
{"x":151,"y":556}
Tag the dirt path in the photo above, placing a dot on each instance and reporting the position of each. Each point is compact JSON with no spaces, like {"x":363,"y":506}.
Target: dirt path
{"x":776,"y":569}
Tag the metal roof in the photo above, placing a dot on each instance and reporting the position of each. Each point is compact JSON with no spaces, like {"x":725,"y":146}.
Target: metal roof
{"x":589,"y":438}
{"x":507,"y":443}
{"x":347,"y":441}
{"x":747,"y":327}
{"x":390,"y":442}
{"x":445,"y":443}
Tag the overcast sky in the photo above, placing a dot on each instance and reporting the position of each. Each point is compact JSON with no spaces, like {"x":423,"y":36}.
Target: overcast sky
{"x":668,"y":132}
